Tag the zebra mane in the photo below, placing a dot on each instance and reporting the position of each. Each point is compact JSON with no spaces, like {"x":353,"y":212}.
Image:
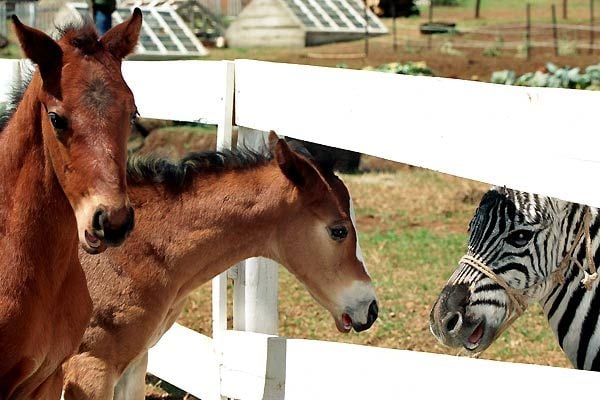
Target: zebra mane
{"x":520,"y":206}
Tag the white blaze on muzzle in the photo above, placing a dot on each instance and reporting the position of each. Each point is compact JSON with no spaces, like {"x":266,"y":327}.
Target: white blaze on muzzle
{"x":359,"y":255}
{"x":356,"y":300}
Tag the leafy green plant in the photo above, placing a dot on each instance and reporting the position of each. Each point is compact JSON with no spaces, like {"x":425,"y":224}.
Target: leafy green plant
{"x":409,"y":68}
{"x":495,"y":49}
{"x":553,"y":76}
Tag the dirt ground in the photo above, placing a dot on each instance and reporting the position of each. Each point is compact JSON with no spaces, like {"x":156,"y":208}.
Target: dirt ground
{"x":446,"y":55}
{"x":471,"y":64}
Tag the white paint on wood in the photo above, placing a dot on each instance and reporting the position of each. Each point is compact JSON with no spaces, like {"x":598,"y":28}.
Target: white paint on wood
{"x":179,"y":90}
{"x":253,"y":366}
{"x":225,"y":120}
{"x":239,"y":296}
{"x":534,"y":139}
{"x":258,"y":366}
{"x":261,"y":303}
{"x":310,"y":369}
{"x":9,"y":71}
{"x":359,"y":253}
{"x":187,"y":359}
{"x":224,"y":142}
{"x":255,"y":295}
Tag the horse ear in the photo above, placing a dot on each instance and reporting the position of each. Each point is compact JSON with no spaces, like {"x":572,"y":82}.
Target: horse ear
{"x":41,"y":49}
{"x":121,"y":40}
{"x":297,"y":168}
{"x":273,"y":139}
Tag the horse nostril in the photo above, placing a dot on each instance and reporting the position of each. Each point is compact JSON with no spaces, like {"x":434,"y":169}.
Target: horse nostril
{"x":98,"y":219}
{"x":117,"y":224}
{"x":373,"y":312}
{"x":452,"y":322}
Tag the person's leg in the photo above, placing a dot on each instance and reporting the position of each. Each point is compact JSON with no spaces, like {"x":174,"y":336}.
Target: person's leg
{"x":103,"y":21}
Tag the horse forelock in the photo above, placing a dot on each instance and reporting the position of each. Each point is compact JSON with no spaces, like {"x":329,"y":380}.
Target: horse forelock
{"x":80,"y":35}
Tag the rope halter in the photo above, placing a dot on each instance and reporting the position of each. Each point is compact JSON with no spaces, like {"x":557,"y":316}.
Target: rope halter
{"x":588,"y":277}
{"x":518,"y":298}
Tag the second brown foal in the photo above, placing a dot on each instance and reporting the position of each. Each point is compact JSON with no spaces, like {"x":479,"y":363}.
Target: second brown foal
{"x":197,"y":218}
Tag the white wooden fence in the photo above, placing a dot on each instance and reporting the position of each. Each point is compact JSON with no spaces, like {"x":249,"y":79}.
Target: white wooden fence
{"x":540,"y":140}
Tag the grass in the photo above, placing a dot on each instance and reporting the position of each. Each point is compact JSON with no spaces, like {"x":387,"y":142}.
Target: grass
{"x":190,"y":128}
{"x":508,"y":11}
{"x":12,"y":50}
{"x":412,"y":226}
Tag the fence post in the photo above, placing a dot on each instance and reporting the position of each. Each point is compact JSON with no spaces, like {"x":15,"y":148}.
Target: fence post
{"x":219,"y":283}
{"x":3,"y":27}
{"x":255,"y":287}
{"x":366,"y":30}
{"x":477,"y":8}
{"x":554,"y":30}
{"x":528,"y":31}
{"x":394,"y":33}
{"x":25,"y":10}
{"x":429,"y":39}
{"x":591,"y":26}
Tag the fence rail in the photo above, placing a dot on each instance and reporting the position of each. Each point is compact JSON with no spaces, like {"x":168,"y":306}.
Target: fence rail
{"x":534,"y":139}
{"x":3,"y":16}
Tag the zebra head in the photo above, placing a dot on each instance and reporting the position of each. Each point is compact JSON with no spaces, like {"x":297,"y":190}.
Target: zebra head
{"x":511,"y":237}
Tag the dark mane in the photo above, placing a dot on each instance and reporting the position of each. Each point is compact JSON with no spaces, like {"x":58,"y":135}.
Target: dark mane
{"x":177,"y":174}
{"x":516,"y":205}
{"x":495,"y":198}
{"x":144,"y":169}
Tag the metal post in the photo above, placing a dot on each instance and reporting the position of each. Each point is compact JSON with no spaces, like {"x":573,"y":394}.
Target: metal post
{"x":528,"y":32}
{"x":394,"y":36}
{"x":591,"y":26}
{"x":366,"y":30}
{"x":554,"y":30}
{"x":430,"y":22}
{"x":3,"y":28}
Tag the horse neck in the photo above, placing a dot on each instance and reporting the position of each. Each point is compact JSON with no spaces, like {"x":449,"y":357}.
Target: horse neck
{"x":29,"y":189}
{"x":218,"y":221}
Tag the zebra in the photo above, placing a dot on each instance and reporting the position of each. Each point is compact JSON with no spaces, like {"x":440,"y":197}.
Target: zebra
{"x":525,"y":248}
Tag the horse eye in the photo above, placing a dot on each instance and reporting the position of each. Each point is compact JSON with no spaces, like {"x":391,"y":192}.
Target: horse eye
{"x":519,"y":238}
{"x":338,"y":233}
{"x":59,"y":123}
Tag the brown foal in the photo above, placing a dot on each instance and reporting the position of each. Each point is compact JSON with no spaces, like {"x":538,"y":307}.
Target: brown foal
{"x":196,"y":219}
{"x":63,"y":158}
